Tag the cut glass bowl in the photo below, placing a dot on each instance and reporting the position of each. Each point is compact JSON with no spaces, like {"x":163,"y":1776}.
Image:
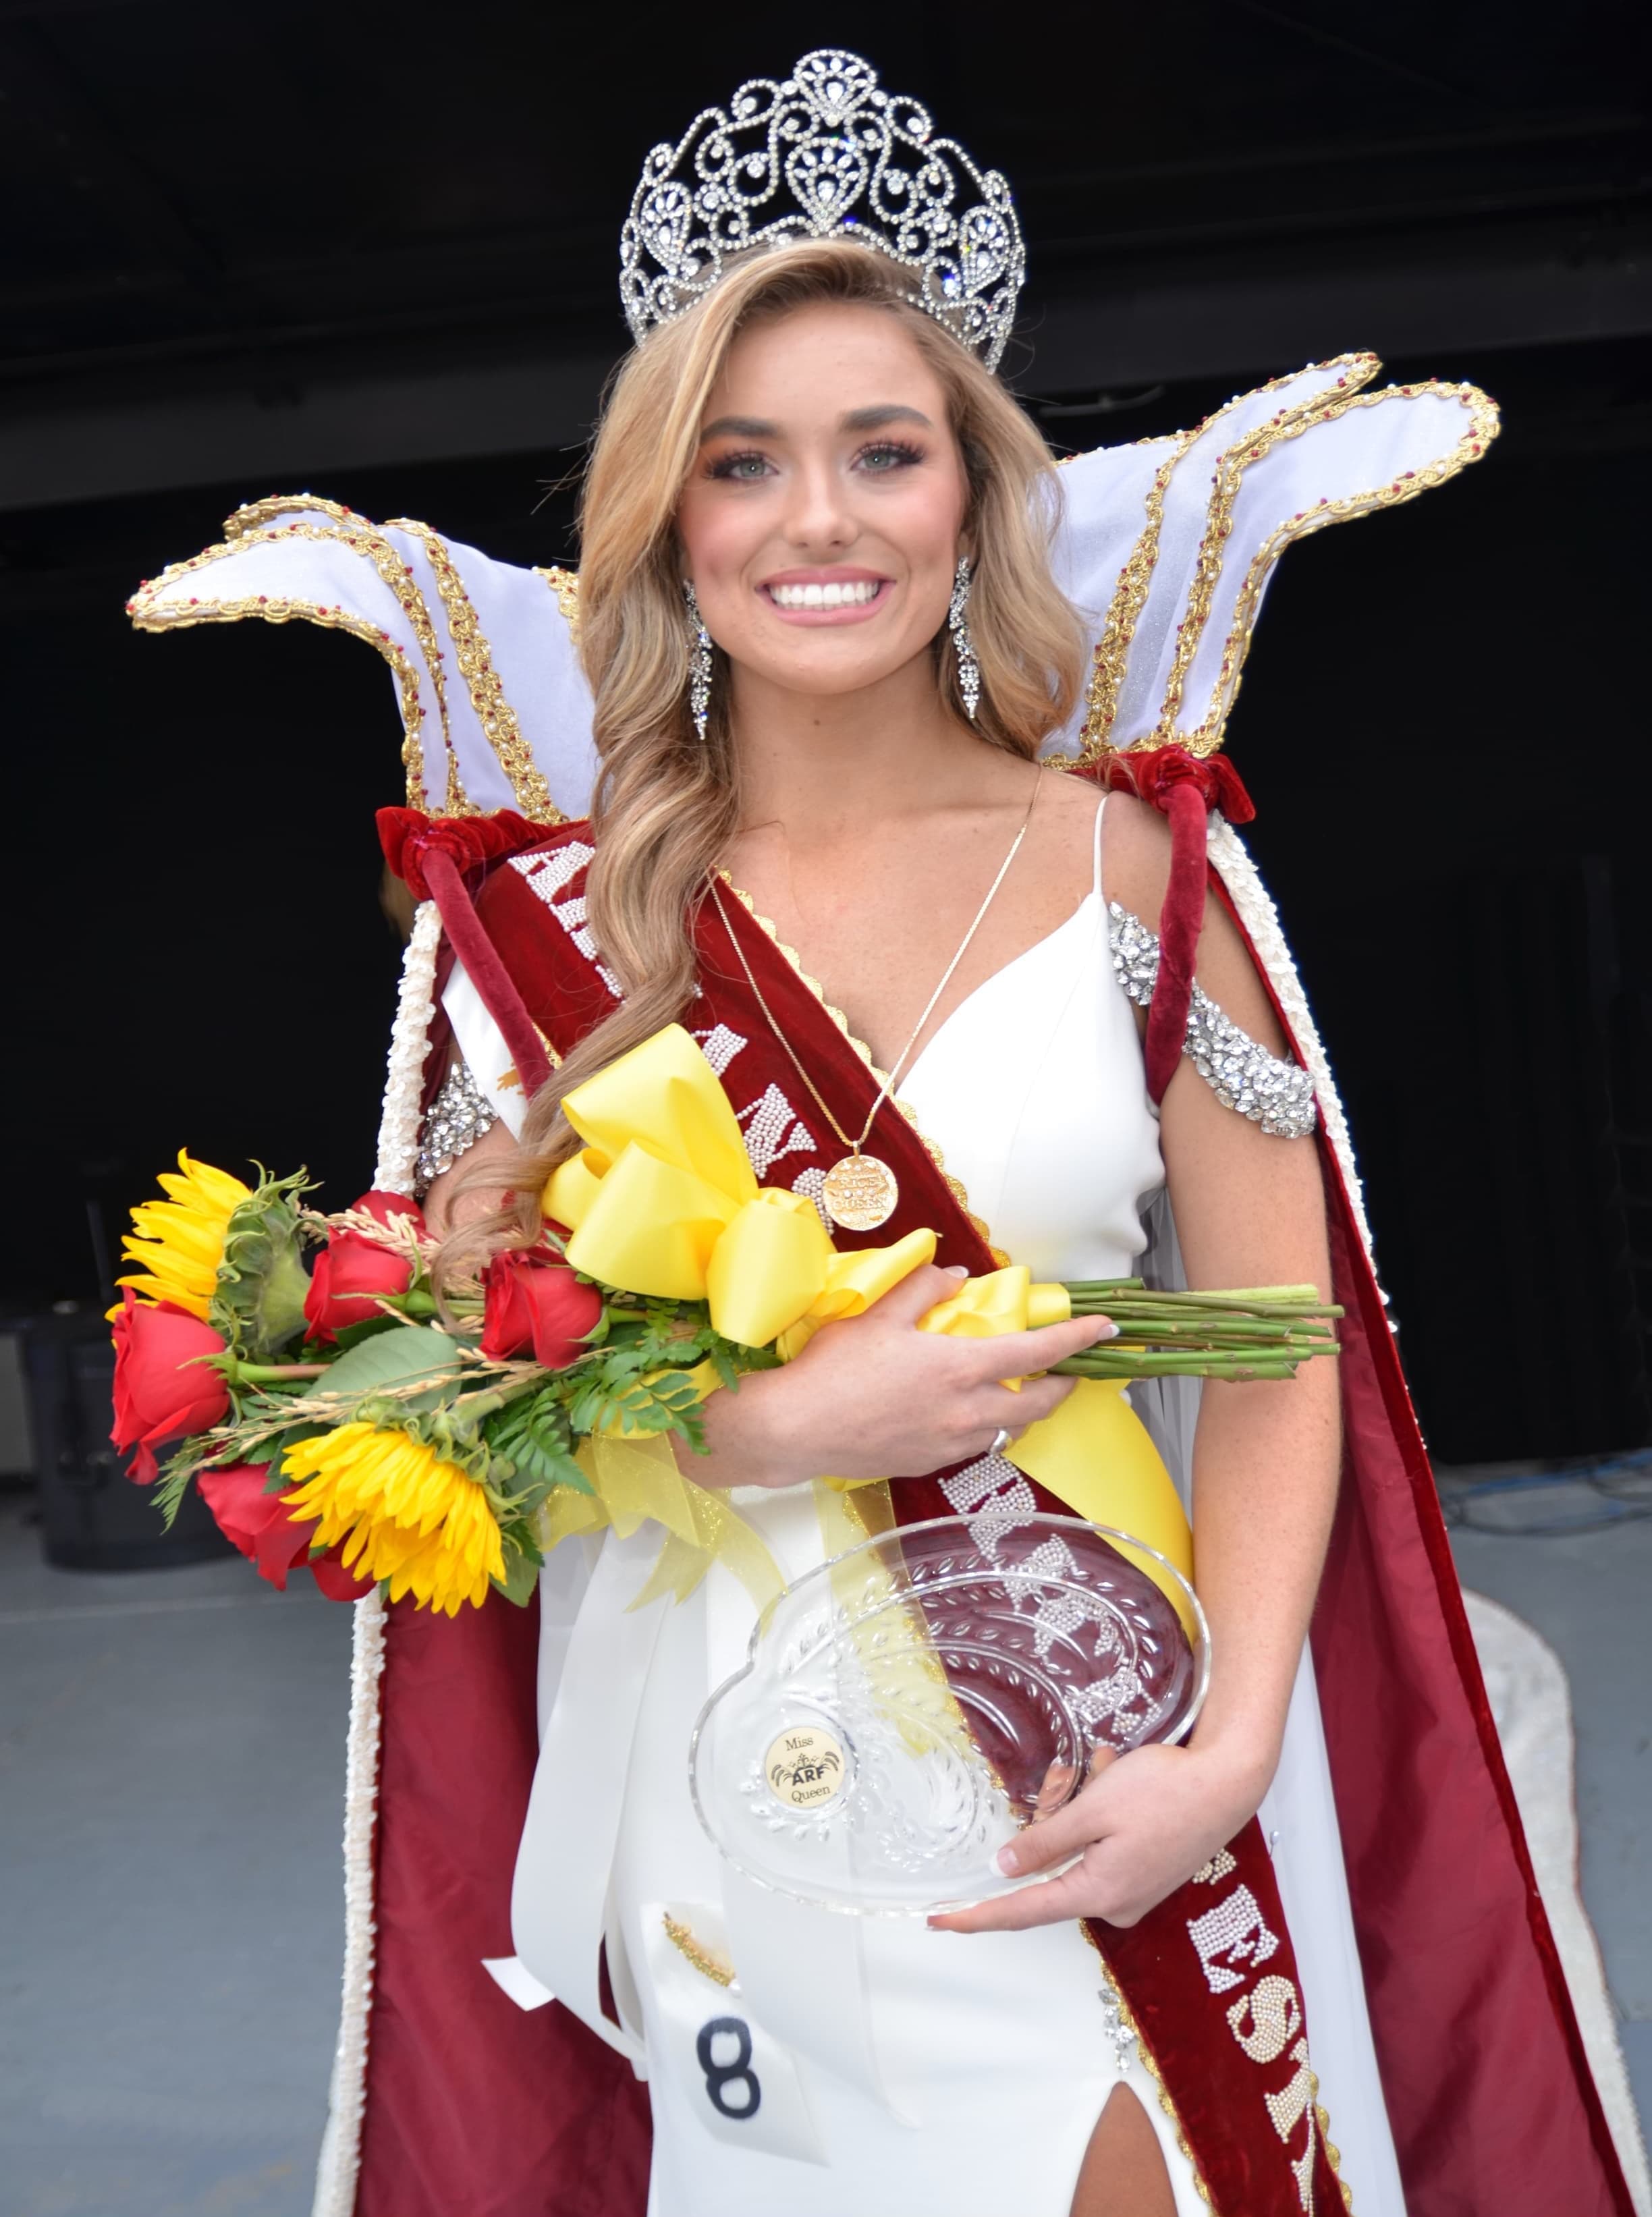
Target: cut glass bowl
{"x":906,"y":1707}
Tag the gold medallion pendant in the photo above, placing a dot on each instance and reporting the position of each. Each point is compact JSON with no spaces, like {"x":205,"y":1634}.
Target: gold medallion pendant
{"x":860,"y":1193}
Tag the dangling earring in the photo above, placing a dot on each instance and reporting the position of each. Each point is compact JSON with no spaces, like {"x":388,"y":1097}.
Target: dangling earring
{"x":957,"y":622}
{"x":699,"y":662}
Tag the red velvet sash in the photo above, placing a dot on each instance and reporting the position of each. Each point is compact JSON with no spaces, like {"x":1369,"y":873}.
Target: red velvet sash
{"x":474,"y":2107}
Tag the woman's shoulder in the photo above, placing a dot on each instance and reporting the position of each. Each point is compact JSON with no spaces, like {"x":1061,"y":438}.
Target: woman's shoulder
{"x":1135,"y":856}
{"x":1135,"y":876}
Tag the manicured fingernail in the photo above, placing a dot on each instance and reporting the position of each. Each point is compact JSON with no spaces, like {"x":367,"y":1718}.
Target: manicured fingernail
{"x":1108,"y":1329}
{"x":1005,"y":1862}
{"x":957,"y":1270}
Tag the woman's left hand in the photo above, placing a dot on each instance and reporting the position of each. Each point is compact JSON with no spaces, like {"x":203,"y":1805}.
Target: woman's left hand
{"x":1142,"y":1825}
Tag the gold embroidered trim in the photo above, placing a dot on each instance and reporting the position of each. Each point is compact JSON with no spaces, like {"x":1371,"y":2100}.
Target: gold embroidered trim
{"x":1483,"y":425}
{"x":564,"y":583}
{"x":1149,"y":2064}
{"x":1129,"y":595}
{"x":278,"y":609}
{"x":1319,"y":406}
{"x":710,"y":1965}
{"x":1333,"y":2153}
{"x":475,"y":656}
{"x":953,"y":1185}
{"x":359,"y":533}
{"x":362,"y":537}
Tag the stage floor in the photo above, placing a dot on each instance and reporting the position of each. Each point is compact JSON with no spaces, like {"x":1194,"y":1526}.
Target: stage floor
{"x":171,"y":1765}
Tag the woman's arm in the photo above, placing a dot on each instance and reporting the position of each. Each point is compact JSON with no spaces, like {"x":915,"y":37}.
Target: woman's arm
{"x":877,"y":1398}
{"x":452,"y":1200}
{"x":873,"y":1398}
{"x":1249,"y":1211}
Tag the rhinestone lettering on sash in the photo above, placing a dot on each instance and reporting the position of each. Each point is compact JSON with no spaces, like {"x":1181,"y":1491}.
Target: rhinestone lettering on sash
{"x":1231,"y":1940}
{"x":812,"y":1183}
{"x":1231,"y":1935}
{"x":720,"y":1044}
{"x":997,"y":1499}
{"x":772,"y":1129}
{"x":547,"y":875}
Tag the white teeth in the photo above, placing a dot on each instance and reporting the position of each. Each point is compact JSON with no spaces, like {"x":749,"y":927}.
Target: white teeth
{"x":852,"y":594}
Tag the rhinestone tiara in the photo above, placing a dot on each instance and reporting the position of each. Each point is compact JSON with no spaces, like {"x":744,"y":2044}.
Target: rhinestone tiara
{"x":854,"y":161}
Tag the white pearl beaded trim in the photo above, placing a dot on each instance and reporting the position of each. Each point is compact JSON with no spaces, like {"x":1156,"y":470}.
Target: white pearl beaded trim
{"x":340,"y":2147}
{"x":399,"y":1126}
{"x":399,"y":1147}
{"x":1256,"y":909}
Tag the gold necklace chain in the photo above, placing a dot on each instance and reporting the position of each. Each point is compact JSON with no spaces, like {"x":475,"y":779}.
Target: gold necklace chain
{"x":865,"y":1190}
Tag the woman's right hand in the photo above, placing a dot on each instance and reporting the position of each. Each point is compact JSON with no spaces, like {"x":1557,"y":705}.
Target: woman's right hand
{"x":874,"y":1397}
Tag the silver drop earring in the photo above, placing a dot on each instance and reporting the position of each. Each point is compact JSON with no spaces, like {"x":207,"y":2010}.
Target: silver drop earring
{"x":699,"y":662}
{"x":957,"y":622}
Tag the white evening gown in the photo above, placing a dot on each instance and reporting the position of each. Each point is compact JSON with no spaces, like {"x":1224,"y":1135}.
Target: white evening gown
{"x":871,"y":2068}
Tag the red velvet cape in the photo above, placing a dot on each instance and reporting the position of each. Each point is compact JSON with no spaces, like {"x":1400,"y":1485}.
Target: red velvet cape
{"x":474,"y":2107}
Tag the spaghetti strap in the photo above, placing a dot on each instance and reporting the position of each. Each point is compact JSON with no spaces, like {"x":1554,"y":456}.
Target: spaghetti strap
{"x":1099,"y":807}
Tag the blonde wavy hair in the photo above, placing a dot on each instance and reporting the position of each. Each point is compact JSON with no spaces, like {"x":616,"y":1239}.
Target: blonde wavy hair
{"x":666,"y":805}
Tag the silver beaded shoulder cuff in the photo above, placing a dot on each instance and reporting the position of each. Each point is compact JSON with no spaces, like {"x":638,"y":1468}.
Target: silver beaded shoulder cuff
{"x":1241,"y":1072}
{"x":460,"y":1115}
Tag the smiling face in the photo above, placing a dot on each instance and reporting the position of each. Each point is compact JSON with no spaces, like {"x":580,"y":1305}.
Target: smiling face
{"x":821,"y":522}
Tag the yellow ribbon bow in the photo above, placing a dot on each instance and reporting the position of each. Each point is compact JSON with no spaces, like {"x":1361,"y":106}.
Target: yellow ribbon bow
{"x":662,"y":1202}
{"x":1093,"y":1453}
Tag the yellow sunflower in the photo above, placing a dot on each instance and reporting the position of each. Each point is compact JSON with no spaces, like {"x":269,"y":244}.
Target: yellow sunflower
{"x":402,"y":1513}
{"x":178,"y":1243}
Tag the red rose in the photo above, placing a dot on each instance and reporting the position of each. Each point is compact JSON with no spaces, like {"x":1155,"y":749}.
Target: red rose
{"x":351,"y":1272}
{"x":161,"y":1392}
{"x":268,"y":1534}
{"x":534,"y":1301}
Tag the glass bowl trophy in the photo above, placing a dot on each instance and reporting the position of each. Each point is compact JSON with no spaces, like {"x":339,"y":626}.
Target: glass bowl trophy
{"x":907,"y":1707}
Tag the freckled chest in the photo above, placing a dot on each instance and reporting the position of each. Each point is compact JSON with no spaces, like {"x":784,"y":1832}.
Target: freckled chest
{"x":876,"y":920}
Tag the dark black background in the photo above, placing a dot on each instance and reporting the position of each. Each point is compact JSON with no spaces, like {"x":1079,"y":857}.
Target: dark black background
{"x":1442,"y":723}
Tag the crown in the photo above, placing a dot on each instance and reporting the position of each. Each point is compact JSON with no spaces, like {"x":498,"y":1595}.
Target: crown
{"x":840,"y":158}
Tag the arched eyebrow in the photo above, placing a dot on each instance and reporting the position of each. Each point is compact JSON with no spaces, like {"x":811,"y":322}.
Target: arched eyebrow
{"x":878,"y":419}
{"x":858,"y":419}
{"x":739,"y":427}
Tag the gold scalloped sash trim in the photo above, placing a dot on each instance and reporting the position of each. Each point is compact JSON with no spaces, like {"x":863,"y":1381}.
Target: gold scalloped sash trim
{"x":954,"y":1186}
{"x":1148,"y":2063}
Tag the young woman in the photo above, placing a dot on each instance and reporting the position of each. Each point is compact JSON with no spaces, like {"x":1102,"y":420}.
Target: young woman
{"x":825,"y":649}
{"x":809,"y":427}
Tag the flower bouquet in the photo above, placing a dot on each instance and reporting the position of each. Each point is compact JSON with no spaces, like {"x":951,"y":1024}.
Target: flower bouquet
{"x":341,"y":1417}
{"x":329,"y":1416}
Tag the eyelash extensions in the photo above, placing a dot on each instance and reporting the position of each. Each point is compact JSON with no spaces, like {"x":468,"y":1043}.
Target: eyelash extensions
{"x":727,"y":466}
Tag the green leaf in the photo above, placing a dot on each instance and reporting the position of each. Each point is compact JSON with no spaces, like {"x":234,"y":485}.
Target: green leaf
{"x":391,"y":1358}
{"x":521,"y":1575}
{"x":352,"y":1334}
{"x":534,"y":1438}
{"x":258,"y":1302}
{"x":175,"y":1479}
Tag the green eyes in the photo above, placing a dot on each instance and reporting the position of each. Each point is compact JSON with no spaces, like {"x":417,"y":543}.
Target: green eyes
{"x":880,"y":460}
